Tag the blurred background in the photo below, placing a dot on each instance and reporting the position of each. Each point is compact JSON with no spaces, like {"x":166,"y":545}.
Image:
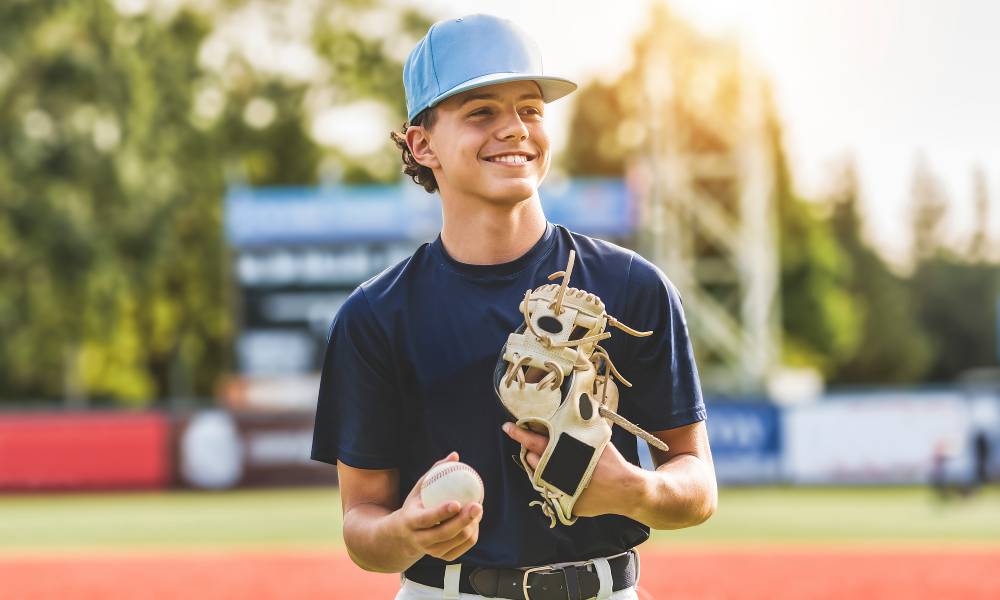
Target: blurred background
{"x":189,"y":190}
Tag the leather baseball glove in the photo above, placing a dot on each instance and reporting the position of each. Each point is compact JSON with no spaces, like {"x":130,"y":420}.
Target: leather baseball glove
{"x":554,"y":379}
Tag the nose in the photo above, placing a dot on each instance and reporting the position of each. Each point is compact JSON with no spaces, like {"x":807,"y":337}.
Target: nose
{"x":512,"y":127}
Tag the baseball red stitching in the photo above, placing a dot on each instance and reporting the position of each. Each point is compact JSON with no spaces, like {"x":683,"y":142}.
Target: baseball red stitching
{"x":452,"y":469}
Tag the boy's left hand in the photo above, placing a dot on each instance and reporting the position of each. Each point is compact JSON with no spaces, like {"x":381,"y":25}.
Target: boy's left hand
{"x":612,"y":486}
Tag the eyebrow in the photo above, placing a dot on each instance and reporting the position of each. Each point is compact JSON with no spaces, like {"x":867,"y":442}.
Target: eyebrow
{"x":487,"y":96}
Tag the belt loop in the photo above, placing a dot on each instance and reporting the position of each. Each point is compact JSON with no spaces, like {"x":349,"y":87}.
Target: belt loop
{"x":452,"y":576}
{"x":572,"y":582}
{"x":604,"y":575}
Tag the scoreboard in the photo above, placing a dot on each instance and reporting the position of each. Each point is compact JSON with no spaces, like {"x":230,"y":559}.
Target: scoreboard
{"x":298,"y":252}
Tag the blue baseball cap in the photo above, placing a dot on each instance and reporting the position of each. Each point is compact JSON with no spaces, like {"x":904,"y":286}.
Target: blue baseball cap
{"x":474,"y":51}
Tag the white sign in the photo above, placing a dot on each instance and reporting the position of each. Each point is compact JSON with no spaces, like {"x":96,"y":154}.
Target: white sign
{"x":883,"y":437}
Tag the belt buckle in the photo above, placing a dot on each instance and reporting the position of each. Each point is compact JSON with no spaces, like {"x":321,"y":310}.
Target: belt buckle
{"x":524,"y":582}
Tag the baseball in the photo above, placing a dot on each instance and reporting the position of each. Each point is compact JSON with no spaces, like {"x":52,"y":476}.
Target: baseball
{"x":451,"y":481}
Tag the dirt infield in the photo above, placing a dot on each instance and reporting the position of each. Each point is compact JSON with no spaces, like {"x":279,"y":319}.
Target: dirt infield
{"x":703,"y":573}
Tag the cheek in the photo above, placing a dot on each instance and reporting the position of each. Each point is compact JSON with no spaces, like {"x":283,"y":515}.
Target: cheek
{"x":541,"y":138}
{"x":543,"y":169}
{"x":538,"y":132}
{"x":453,"y":154}
{"x":467,"y":147}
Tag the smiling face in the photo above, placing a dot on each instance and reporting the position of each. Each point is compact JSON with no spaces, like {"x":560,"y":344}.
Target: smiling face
{"x":487,"y":143}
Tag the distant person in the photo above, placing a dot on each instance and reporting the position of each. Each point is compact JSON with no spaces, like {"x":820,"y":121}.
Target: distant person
{"x":940,"y":460}
{"x":408,"y":372}
{"x":981,"y":454}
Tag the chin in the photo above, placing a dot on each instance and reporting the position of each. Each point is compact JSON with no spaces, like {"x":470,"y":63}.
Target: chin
{"x":512,"y":194}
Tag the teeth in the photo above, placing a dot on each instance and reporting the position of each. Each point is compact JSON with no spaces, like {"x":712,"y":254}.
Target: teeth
{"x":510,"y":159}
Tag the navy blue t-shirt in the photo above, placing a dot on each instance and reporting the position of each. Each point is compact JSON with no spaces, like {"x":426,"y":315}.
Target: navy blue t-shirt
{"x":408,"y":377}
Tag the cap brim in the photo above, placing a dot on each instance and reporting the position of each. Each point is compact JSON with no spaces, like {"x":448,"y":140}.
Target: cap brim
{"x":553,"y":88}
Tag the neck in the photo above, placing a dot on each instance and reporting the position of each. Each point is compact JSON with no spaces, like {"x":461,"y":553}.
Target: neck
{"x":491,"y":234}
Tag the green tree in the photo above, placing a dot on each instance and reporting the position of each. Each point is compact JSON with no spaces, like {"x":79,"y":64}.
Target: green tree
{"x":820,"y":317}
{"x":112,"y":202}
{"x":929,"y":210}
{"x":955,"y":293}
{"x":980,"y":246}
{"x":956,"y":300}
{"x":612,"y":127}
{"x":893,"y":346}
{"x":119,"y":134}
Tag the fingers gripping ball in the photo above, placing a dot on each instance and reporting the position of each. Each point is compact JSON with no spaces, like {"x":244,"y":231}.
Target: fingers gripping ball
{"x":451,"y":481}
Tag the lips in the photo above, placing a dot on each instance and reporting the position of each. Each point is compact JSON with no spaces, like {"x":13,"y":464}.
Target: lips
{"x":509,"y":164}
{"x":527,"y":155}
{"x":511,"y":158}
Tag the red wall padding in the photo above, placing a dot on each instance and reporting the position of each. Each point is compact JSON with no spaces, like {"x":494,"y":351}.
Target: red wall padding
{"x":84,"y":451}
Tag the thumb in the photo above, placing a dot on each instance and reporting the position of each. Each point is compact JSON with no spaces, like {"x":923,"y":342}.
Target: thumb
{"x":452,"y":457}
{"x":425,"y":518}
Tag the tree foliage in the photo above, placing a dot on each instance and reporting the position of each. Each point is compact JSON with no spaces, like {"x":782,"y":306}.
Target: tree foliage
{"x":119,"y":133}
{"x":893,"y":345}
{"x":615,"y":125}
{"x":123,"y":123}
{"x":955,"y":291}
{"x":820,"y":318}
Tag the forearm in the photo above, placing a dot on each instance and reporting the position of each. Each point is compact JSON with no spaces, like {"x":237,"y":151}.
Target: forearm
{"x":371,"y":534}
{"x":682,"y":492}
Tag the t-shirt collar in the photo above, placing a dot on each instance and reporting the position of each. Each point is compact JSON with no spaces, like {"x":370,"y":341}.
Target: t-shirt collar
{"x":507,"y":269}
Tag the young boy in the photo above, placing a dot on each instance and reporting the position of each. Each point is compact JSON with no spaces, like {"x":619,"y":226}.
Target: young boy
{"x":408,"y":374}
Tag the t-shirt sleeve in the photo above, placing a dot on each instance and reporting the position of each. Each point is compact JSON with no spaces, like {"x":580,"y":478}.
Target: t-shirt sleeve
{"x":666,"y":391}
{"x":357,"y":416}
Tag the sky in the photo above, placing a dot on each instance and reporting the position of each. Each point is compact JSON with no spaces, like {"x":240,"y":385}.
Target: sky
{"x":883,"y":81}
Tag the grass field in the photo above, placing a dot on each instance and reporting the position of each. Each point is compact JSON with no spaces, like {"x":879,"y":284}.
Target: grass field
{"x":762,"y":543}
{"x":310,"y":518}
{"x":895,"y":515}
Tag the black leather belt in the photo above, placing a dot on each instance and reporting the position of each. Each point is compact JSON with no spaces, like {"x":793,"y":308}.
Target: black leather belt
{"x":543,"y":583}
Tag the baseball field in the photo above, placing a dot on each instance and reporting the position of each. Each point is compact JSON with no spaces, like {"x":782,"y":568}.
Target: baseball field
{"x":763,"y":543}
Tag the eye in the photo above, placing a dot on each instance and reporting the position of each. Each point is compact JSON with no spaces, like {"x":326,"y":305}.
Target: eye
{"x":480,"y":112}
{"x":531,"y":110}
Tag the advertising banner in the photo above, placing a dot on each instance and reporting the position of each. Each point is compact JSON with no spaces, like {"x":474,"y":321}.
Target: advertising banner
{"x":218,"y":449}
{"x":289,"y":216}
{"x":745,"y":437}
{"x":40,"y":451}
{"x":746,"y":441}
{"x":878,"y":437}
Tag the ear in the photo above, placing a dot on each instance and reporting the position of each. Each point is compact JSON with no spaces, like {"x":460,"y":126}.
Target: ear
{"x":419,"y":141}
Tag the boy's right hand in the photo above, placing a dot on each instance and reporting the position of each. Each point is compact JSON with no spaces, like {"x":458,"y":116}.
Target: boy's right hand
{"x":443,"y":532}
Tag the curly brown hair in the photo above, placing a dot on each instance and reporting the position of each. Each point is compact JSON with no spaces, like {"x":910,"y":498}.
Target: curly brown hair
{"x":421,"y":175}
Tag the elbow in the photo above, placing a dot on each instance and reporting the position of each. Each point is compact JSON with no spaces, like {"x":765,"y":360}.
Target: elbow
{"x":702,"y":509}
{"x":685,"y":503}
{"x":707,"y":509}
{"x":356,"y":557}
{"x":367,"y":566}
{"x":357,"y":560}
{"x":695,"y":513}
{"x":710,"y":501}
